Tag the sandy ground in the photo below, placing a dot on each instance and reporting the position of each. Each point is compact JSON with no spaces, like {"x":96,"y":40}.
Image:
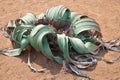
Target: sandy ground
{"x":105,"y":12}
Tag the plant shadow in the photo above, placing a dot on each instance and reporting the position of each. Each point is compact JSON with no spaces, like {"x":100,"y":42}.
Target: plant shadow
{"x":39,"y":59}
